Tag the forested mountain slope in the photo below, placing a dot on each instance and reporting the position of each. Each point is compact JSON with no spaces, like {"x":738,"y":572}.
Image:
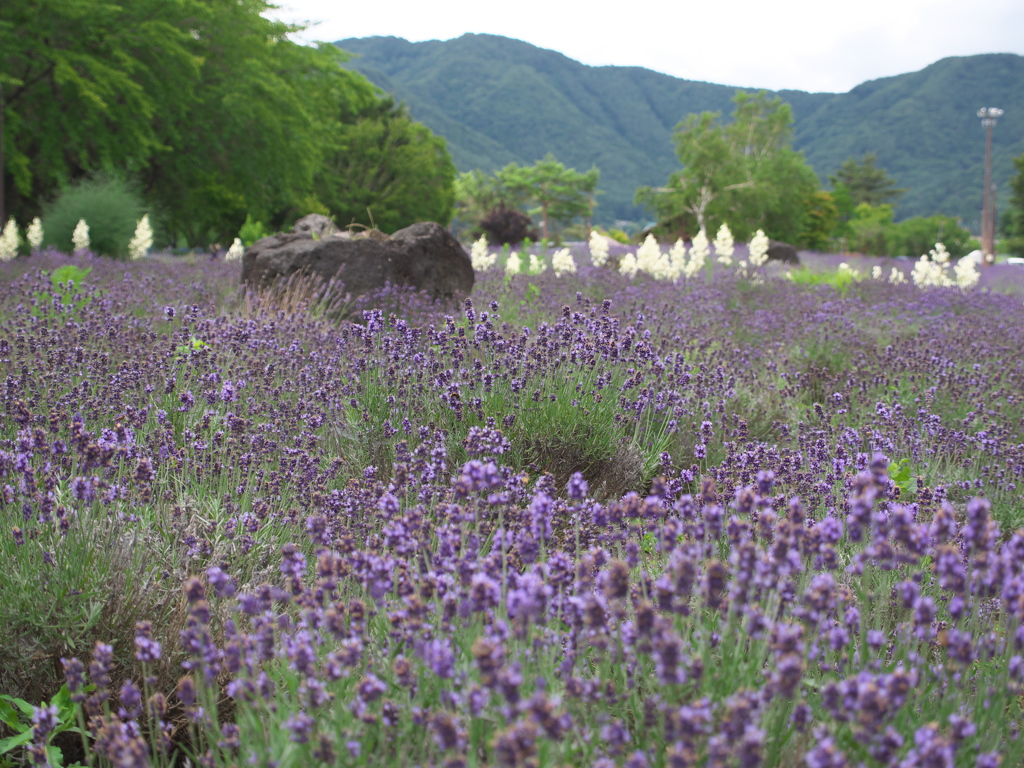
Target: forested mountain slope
{"x":498,"y":100}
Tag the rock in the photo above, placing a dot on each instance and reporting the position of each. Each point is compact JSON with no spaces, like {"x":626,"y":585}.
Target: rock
{"x":424,"y":256}
{"x":315,"y":225}
{"x":783,"y":252}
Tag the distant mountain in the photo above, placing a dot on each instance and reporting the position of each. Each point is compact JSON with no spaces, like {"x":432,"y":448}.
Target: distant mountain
{"x":498,"y":100}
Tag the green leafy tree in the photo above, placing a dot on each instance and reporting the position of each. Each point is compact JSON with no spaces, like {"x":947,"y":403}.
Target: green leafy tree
{"x":743,"y":173}
{"x":1014,"y":217}
{"x":388,"y":170}
{"x":205,"y":103}
{"x":819,"y":222}
{"x":561,"y":194}
{"x":869,"y":229}
{"x":865,"y":182}
{"x":264,"y":115}
{"x":87,"y":85}
{"x":873,"y":231}
{"x":558,"y":195}
{"x":918,"y":235}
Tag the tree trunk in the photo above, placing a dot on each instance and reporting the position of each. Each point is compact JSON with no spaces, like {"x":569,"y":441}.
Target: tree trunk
{"x":544,"y":215}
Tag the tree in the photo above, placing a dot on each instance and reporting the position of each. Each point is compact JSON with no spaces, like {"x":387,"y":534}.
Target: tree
{"x":820,"y":221}
{"x":743,"y":173}
{"x":264,"y":115}
{"x":81,"y":86}
{"x":1014,"y":217}
{"x":206,"y":104}
{"x":866,"y":183}
{"x":561,"y":194}
{"x":872,"y":230}
{"x":387,"y":170}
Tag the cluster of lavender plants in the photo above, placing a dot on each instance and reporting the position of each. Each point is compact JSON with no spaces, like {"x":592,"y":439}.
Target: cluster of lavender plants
{"x":571,"y":521}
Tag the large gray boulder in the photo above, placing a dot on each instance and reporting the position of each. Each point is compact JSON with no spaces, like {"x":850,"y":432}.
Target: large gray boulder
{"x":316,"y":225}
{"x":784,"y":252}
{"x":424,"y":256}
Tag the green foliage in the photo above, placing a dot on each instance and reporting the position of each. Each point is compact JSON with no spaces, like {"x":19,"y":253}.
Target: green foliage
{"x":743,"y":173}
{"x":872,"y":230}
{"x":901,"y":474}
{"x":386,"y":170}
{"x":1015,"y":215}
{"x":262,"y":121}
{"x":206,"y":103}
{"x":476,"y":194}
{"x":498,"y":100}
{"x":89,"y":85}
{"x":868,"y":230}
{"x":820,"y":221}
{"x":252,"y":231}
{"x":109,"y":206}
{"x":559,"y":195}
{"x":866,"y":183}
{"x":16,"y":714}
{"x":66,"y":281}
{"x":840,"y":279}
{"x":69,"y":273}
{"x":918,"y":235}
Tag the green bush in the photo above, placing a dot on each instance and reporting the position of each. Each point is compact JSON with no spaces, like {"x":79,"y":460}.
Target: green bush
{"x":917,"y":236}
{"x":872,"y":230}
{"x":110,"y":207}
{"x":252,"y":231}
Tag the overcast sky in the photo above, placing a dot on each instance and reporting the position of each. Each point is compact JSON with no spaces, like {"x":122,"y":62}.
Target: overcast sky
{"x":811,"y":45}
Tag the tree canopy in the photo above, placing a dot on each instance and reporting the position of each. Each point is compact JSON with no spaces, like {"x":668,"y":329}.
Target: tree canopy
{"x":866,"y":183}
{"x":208,"y":108}
{"x":744,"y":173}
{"x":558,"y":195}
{"x":386,"y":170}
{"x":1014,"y":217}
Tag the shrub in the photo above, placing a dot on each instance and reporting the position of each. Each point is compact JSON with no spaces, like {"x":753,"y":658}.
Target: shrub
{"x":918,"y":235}
{"x":873,"y":231}
{"x":252,"y":231}
{"x":507,"y":226}
{"x":109,"y":206}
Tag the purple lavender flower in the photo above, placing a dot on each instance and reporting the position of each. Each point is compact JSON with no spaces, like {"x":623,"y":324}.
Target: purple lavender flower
{"x":300,"y":727}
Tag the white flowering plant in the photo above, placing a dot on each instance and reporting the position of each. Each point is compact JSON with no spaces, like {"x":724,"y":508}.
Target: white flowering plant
{"x":628,"y":265}
{"x":142,"y":241}
{"x":677,"y":260}
{"x":35,"y":234}
{"x":514,"y":264}
{"x":598,"y":249}
{"x":9,"y":241}
{"x":480,"y":255}
{"x":236,"y":251}
{"x":563,"y":263}
{"x":724,"y":246}
{"x":652,"y":260}
{"x":759,"y":249}
{"x":80,"y":237}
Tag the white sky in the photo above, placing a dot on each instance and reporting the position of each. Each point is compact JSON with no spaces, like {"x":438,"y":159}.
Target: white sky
{"x":813,"y":45}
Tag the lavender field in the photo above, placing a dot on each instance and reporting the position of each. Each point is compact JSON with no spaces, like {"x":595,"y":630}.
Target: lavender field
{"x":573,"y":521}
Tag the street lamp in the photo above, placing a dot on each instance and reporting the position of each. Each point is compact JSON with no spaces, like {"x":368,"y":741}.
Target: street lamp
{"x":988,"y":116}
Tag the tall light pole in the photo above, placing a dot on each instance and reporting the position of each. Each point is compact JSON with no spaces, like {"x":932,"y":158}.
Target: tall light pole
{"x":988,"y":116}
